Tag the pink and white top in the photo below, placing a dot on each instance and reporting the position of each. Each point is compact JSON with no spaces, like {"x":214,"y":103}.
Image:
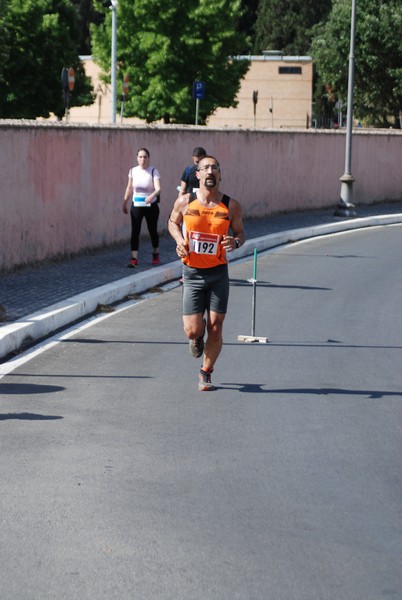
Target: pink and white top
{"x":143,"y":183}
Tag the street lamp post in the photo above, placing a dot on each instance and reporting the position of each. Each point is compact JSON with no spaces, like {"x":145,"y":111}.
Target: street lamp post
{"x":345,"y":206}
{"x":113,"y":8}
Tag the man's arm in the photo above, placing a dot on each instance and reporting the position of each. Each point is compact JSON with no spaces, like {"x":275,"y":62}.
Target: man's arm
{"x":236,"y":225}
{"x":175,"y":225}
{"x":236,"y":222}
{"x":184,"y":182}
{"x":183,"y":188}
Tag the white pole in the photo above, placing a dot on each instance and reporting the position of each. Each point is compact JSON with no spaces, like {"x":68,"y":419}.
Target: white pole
{"x":345,"y":206}
{"x":113,"y":8}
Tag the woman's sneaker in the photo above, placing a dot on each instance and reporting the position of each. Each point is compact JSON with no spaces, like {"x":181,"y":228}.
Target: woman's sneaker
{"x":133,"y":263}
{"x":155,"y":259}
{"x":205,"y":383}
{"x":197,"y":346}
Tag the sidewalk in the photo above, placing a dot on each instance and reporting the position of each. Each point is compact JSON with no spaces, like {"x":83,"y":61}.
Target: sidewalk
{"x":35,"y":298}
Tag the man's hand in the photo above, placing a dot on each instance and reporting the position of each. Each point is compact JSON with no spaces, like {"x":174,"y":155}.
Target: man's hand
{"x":182,"y":249}
{"x":229,"y":243}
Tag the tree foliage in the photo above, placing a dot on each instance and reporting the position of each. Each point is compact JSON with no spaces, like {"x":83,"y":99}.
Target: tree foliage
{"x":378,"y":57}
{"x":164,"y":46}
{"x":40,"y":38}
{"x":246,"y":24}
{"x":4,"y":39}
{"x":88,"y":14}
{"x":286,"y":25}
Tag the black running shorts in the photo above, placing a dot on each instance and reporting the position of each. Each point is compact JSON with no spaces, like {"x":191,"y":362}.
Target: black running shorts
{"x":205,"y":289}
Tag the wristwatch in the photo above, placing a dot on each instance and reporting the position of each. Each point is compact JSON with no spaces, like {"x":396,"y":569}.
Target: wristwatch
{"x":237,"y":243}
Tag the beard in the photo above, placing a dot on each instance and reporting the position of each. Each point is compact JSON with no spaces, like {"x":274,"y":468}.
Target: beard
{"x":210,"y":181}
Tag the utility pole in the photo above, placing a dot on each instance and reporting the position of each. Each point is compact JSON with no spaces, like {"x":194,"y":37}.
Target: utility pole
{"x":345,"y":206}
{"x":113,"y":8}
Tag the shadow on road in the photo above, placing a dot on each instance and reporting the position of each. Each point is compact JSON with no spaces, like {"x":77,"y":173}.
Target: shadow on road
{"x":28,"y":417}
{"x":257,"y":388}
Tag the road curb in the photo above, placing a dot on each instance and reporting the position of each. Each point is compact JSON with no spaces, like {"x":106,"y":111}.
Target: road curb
{"x":21,"y":333}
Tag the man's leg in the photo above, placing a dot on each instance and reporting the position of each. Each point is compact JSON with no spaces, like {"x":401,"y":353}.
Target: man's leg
{"x":194,"y":325}
{"x":210,"y":290}
{"x":194,"y":300}
{"x":212,"y":349}
{"x":213,"y":344}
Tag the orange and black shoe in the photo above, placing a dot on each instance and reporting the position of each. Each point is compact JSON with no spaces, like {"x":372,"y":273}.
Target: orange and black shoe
{"x":205,"y":383}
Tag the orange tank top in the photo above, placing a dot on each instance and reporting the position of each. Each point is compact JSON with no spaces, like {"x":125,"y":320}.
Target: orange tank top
{"x":204,"y":229}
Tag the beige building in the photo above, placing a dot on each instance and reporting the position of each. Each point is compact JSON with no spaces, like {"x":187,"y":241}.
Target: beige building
{"x":100,"y":111}
{"x":284,"y":85}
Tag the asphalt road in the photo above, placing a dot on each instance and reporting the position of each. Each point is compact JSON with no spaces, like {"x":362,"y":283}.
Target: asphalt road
{"x":120,"y":480}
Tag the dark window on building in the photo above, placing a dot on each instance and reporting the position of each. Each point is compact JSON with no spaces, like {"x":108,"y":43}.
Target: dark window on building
{"x":290,"y":70}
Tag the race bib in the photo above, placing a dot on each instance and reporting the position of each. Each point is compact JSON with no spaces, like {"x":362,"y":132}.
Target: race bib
{"x":139,"y":199}
{"x":203,"y":243}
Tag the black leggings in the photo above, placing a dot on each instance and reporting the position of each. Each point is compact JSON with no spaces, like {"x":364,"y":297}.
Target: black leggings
{"x":151,"y":215}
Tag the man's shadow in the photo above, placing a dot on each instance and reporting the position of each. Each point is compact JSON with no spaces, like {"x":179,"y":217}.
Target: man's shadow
{"x":257,"y":388}
{"x":25,"y":416}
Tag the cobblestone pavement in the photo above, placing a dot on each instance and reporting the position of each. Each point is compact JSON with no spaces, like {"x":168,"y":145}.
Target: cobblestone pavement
{"x":31,"y":289}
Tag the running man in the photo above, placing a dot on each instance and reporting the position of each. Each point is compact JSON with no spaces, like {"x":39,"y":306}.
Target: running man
{"x":200,"y":224}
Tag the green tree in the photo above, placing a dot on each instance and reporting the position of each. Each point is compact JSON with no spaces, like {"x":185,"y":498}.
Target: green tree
{"x":246,"y":23}
{"x":378,"y":58}
{"x":4,"y":41}
{"x":88,"y":14}
{"x":42,"y":37}
{"x":164,"y":46}
{"x":286,"y":25}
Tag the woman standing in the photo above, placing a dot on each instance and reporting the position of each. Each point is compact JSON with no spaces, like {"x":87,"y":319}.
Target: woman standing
{"x":143,"y":189}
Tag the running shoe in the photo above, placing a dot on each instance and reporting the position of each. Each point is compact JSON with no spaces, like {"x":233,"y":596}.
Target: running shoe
{"x":204,"y":383}
{"x":155,"y":259}
{"x":197,"y":346}
{"x":133,"y":263}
